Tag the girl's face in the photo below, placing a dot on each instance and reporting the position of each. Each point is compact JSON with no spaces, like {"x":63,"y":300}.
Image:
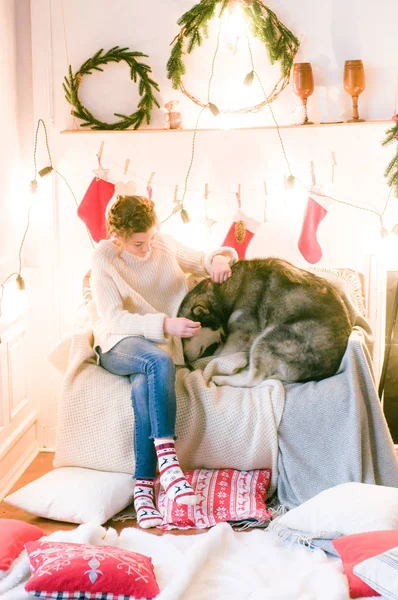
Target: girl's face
{"x":139,"y":244}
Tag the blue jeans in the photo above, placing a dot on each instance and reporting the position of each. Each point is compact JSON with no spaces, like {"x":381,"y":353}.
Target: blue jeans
{"x":152,"y":374}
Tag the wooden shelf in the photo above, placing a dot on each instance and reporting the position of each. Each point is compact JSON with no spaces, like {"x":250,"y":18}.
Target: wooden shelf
{"x":180,"y":131}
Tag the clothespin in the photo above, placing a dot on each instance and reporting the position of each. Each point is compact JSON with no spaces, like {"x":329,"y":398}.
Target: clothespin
{"x":149,"y":185}
{"x":99,"y":155}
{"x":265,"y":201}
{"x":313,"y":178}
{"x":239,"y":195}
{"x":334,"y":163}
{"x":101,"y":173}
{"x":176,"y":201}
{"x":208,"y":221}
{"x":126,"y":166}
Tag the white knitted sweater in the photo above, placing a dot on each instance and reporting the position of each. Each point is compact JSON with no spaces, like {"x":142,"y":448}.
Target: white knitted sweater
{"x":133,"y":295}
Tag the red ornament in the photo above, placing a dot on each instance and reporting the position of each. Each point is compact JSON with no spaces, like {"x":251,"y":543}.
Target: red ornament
{"x":395,"y":119}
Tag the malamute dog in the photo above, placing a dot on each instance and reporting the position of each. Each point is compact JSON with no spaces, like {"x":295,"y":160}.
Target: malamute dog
{"x":293,"y":324}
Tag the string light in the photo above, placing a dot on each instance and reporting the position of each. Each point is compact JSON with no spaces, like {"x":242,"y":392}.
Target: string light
{"x":20,"y":282}
{"x":249,"y":79}
{"x":290,"y":179}
{"x":214,"y":109}
{"x":33,"y":185}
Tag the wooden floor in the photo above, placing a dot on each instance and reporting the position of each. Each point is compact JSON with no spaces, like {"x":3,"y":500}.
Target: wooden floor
{"x":43,"y":464}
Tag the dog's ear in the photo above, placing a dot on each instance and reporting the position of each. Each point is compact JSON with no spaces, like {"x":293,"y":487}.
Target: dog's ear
{"x":199,"y":310}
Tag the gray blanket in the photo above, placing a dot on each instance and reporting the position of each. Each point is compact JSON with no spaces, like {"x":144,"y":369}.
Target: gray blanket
{"x":334,"y":431}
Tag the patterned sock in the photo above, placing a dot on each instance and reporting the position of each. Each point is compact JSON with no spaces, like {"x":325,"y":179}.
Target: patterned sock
{"x":172,"y":478}
{"x":147,"y":514}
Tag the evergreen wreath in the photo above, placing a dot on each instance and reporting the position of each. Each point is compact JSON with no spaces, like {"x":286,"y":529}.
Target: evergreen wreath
{"x":282,"y":45}
{"x":391,"y":171}
{"x":138,"y":70}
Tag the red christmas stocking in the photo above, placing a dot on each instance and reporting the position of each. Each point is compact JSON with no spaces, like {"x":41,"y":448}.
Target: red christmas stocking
{"x":314,"y":214}
{"x":241,"y":233}
{"x":92,"y":208}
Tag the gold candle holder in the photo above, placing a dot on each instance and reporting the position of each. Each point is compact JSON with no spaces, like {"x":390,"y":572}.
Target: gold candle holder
{"x":303,"y":85}
{"x":354,"y":84}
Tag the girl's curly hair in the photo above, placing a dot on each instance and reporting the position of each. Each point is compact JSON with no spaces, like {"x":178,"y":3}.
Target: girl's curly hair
{"x":131,"y":214}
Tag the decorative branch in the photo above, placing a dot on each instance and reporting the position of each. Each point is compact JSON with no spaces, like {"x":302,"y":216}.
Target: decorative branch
{"x":282,"y":45}
{"x":139,"y":71}
{"x":391,"y":172}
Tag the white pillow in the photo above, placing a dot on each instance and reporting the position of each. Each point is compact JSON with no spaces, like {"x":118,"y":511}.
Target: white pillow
{"x":75,"y":495}
{"x":381,"y":573}
{"x":347,"y":508}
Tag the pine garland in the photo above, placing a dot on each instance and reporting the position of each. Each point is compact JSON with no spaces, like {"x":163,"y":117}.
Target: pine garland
{"x":282,"y":45}
{"x":138,"y":71}
{"x":391,"y":171}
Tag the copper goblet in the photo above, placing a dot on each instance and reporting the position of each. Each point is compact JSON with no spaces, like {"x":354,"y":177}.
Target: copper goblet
{"x":303,"y":85}
{"x":354,"y":84}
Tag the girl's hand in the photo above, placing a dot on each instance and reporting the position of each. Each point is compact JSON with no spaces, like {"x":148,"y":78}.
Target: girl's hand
{"x":220,"y":269}
{"x":181,"y":327}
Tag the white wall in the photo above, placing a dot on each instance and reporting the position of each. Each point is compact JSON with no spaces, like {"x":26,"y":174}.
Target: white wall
{"x":18,"y":413}
{"x":332,"y":33}
{"x":16,"y":111}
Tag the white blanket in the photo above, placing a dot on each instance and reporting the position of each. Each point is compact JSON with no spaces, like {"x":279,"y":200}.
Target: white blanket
{"x":222,"y":564}
{"x":217,"y":427}
{"x":226,"y":427}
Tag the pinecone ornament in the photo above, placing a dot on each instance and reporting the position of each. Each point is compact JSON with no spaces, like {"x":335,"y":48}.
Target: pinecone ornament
{"x":240,"y":231}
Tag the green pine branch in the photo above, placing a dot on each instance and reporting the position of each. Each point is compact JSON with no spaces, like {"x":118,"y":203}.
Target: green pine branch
{"x":139,"y":71}
{"x":391,"y":172}
{"x":175,"y":65}
{"x":390,"y":135}
{"x":280,"y":42}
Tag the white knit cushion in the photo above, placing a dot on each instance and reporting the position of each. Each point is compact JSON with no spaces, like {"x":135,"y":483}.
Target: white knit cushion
{"x":347,"y":508}
{"x":75,"y":495}
{"x":96,"y":421}
{"x":95,"y":417}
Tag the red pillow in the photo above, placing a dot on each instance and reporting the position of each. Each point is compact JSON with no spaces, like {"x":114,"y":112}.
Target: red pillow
{"x":66,"y":570}
{"x":355,"y":548}
{"x":13,"y":535}
{"x":224,"y":495}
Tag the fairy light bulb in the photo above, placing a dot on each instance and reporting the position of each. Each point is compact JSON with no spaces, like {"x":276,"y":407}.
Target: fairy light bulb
{"x":249,"y":79}
{"x":45,"y":171}
{"x":185,"y":216}
{"x":20,"y":282}
{"x":214,"y":109}
{"x":290,"y":181}
{"x":14,"y":301}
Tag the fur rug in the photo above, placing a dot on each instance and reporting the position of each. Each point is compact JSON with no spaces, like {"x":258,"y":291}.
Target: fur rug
{"x":220,"y":563}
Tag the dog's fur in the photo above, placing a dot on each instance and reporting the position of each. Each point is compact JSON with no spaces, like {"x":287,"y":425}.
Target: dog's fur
{"x":293,"y":324}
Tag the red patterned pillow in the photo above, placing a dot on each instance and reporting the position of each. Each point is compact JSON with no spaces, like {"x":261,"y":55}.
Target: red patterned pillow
{"x":66,"y":570}
{"x":13,"y":535}
{"x":224,"y":495}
